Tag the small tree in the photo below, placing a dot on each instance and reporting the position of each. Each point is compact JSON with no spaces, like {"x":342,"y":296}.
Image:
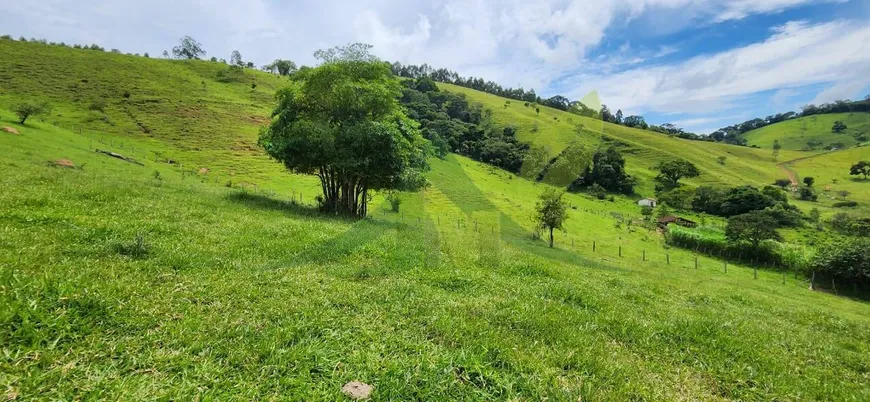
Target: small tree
{"x":236,"y":59}
{"x":838,"y":127}
{"x":551,"y":211}
{"x":782,"y":183}
{"x":189,"y":48}
{"x":815,"y":215}
{"x":753,"y":227}
{"x":843,"y":193}
{"x":807,"y":193}
{"x":721,"y":160}
{"x":663,"y":211}
{"x":646,"y":211}
{"x":538,"y":110}
{"x":28,"y":109}
{"x":671,"y":172}
{"x":809,"y":181}
{"x":862,"y":168}
{"x":776,"y":148}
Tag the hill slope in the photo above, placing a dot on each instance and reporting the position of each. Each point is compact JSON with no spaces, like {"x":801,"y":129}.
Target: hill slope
{"x":555,"y":129}
{"x":170,"y":287}
{"x":131,"y":282}
{"x":180,"y":109}
{"x":813,"y":132}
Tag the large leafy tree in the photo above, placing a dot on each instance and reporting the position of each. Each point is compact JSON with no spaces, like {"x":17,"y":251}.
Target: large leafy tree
{"x":608,"y":171}
{"x":551,"y":211}
{"x":753,"y":227}
{"x":343,"y":123}
{"x":671,"y":172}
{"x":860,"y":168}
{"x":189,"y":48}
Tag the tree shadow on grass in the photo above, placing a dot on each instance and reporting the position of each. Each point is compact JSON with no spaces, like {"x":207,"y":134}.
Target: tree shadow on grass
{"x":463,"y":193}
{"x":360,"y":233}
{"x":264,"y":202}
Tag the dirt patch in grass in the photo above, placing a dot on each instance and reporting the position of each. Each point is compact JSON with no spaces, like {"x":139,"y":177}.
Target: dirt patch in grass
{"x":64,"y":163}
{"x":10,"y":130}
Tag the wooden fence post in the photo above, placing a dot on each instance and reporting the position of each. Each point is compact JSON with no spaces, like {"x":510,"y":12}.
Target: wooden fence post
{"x":755,"y":272}
{"x":726,"y":266}
{"x":620,"y":251}
{"x":813,"y":281}
{"x":644,"y":255}
{"x":696,"y":262}
{"x":668,"y":257}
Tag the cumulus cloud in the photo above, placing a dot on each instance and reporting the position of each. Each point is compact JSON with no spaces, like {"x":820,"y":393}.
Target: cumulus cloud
{"x":796,"y":54}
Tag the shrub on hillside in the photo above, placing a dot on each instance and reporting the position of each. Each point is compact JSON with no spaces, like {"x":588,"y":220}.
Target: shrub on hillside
{"x":845,"y":204}
{"x":806,"y":193}
{"x":848,"y":261}
{"x":712,"y":241}
{"x":846,"y":224}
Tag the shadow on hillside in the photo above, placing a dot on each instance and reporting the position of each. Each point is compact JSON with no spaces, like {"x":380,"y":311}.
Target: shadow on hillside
{"x":264,"y":202}
{"x":859,"y":180}
{"x":469,"y":198}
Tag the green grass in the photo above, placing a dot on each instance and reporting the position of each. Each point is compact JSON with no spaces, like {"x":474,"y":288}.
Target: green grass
{"x":643,"y":150}
{"x":794,"y":134}
{"x":118,"y":285}
{"x":831,"y":167}
{"x":239,"y":295}
{"x":176,"y":110}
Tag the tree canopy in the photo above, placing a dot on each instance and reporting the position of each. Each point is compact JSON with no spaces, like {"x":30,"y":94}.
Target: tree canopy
{"x":860,"y":168}
{"x":28,"y":109}
{"x":671,"y":172}
{"x":606,"y":170}
{"x":753,"y":227}
{"x":343,"y":123}
{"x":189,"y":48}
{"x":551,"y":211}
{"x":281,"y":67}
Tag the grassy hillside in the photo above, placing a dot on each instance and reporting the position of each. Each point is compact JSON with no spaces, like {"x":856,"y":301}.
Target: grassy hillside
{"x":130,"y":282}
{"x":831,"y":171}
{"x":178,"y":109}
{"x":119,"y":285}
{"x":556,"y":129}
{"x":812,"y":132}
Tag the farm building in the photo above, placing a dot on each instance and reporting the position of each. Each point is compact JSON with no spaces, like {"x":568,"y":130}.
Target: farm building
{"x":667,"y":220}
{"x":647,"y":202}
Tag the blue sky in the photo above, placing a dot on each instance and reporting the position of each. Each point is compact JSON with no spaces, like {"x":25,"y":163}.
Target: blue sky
{"x":701,"y":64}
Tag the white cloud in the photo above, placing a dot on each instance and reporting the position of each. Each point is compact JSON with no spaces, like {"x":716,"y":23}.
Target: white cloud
{"x":842,"y":90}
{"x":797,"y":54}
{"x":739,"y":9}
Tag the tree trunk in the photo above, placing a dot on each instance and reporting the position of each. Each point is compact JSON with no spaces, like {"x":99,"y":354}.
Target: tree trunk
{"x":551,"y":237}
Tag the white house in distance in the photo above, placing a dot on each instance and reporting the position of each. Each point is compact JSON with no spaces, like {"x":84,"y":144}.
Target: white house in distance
{"x":647,"y":202}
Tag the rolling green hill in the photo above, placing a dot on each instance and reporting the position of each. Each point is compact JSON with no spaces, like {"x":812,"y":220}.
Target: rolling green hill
{"x":211,"y":276}
{"x":813,"y":132}
{"x":555,"y":129}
